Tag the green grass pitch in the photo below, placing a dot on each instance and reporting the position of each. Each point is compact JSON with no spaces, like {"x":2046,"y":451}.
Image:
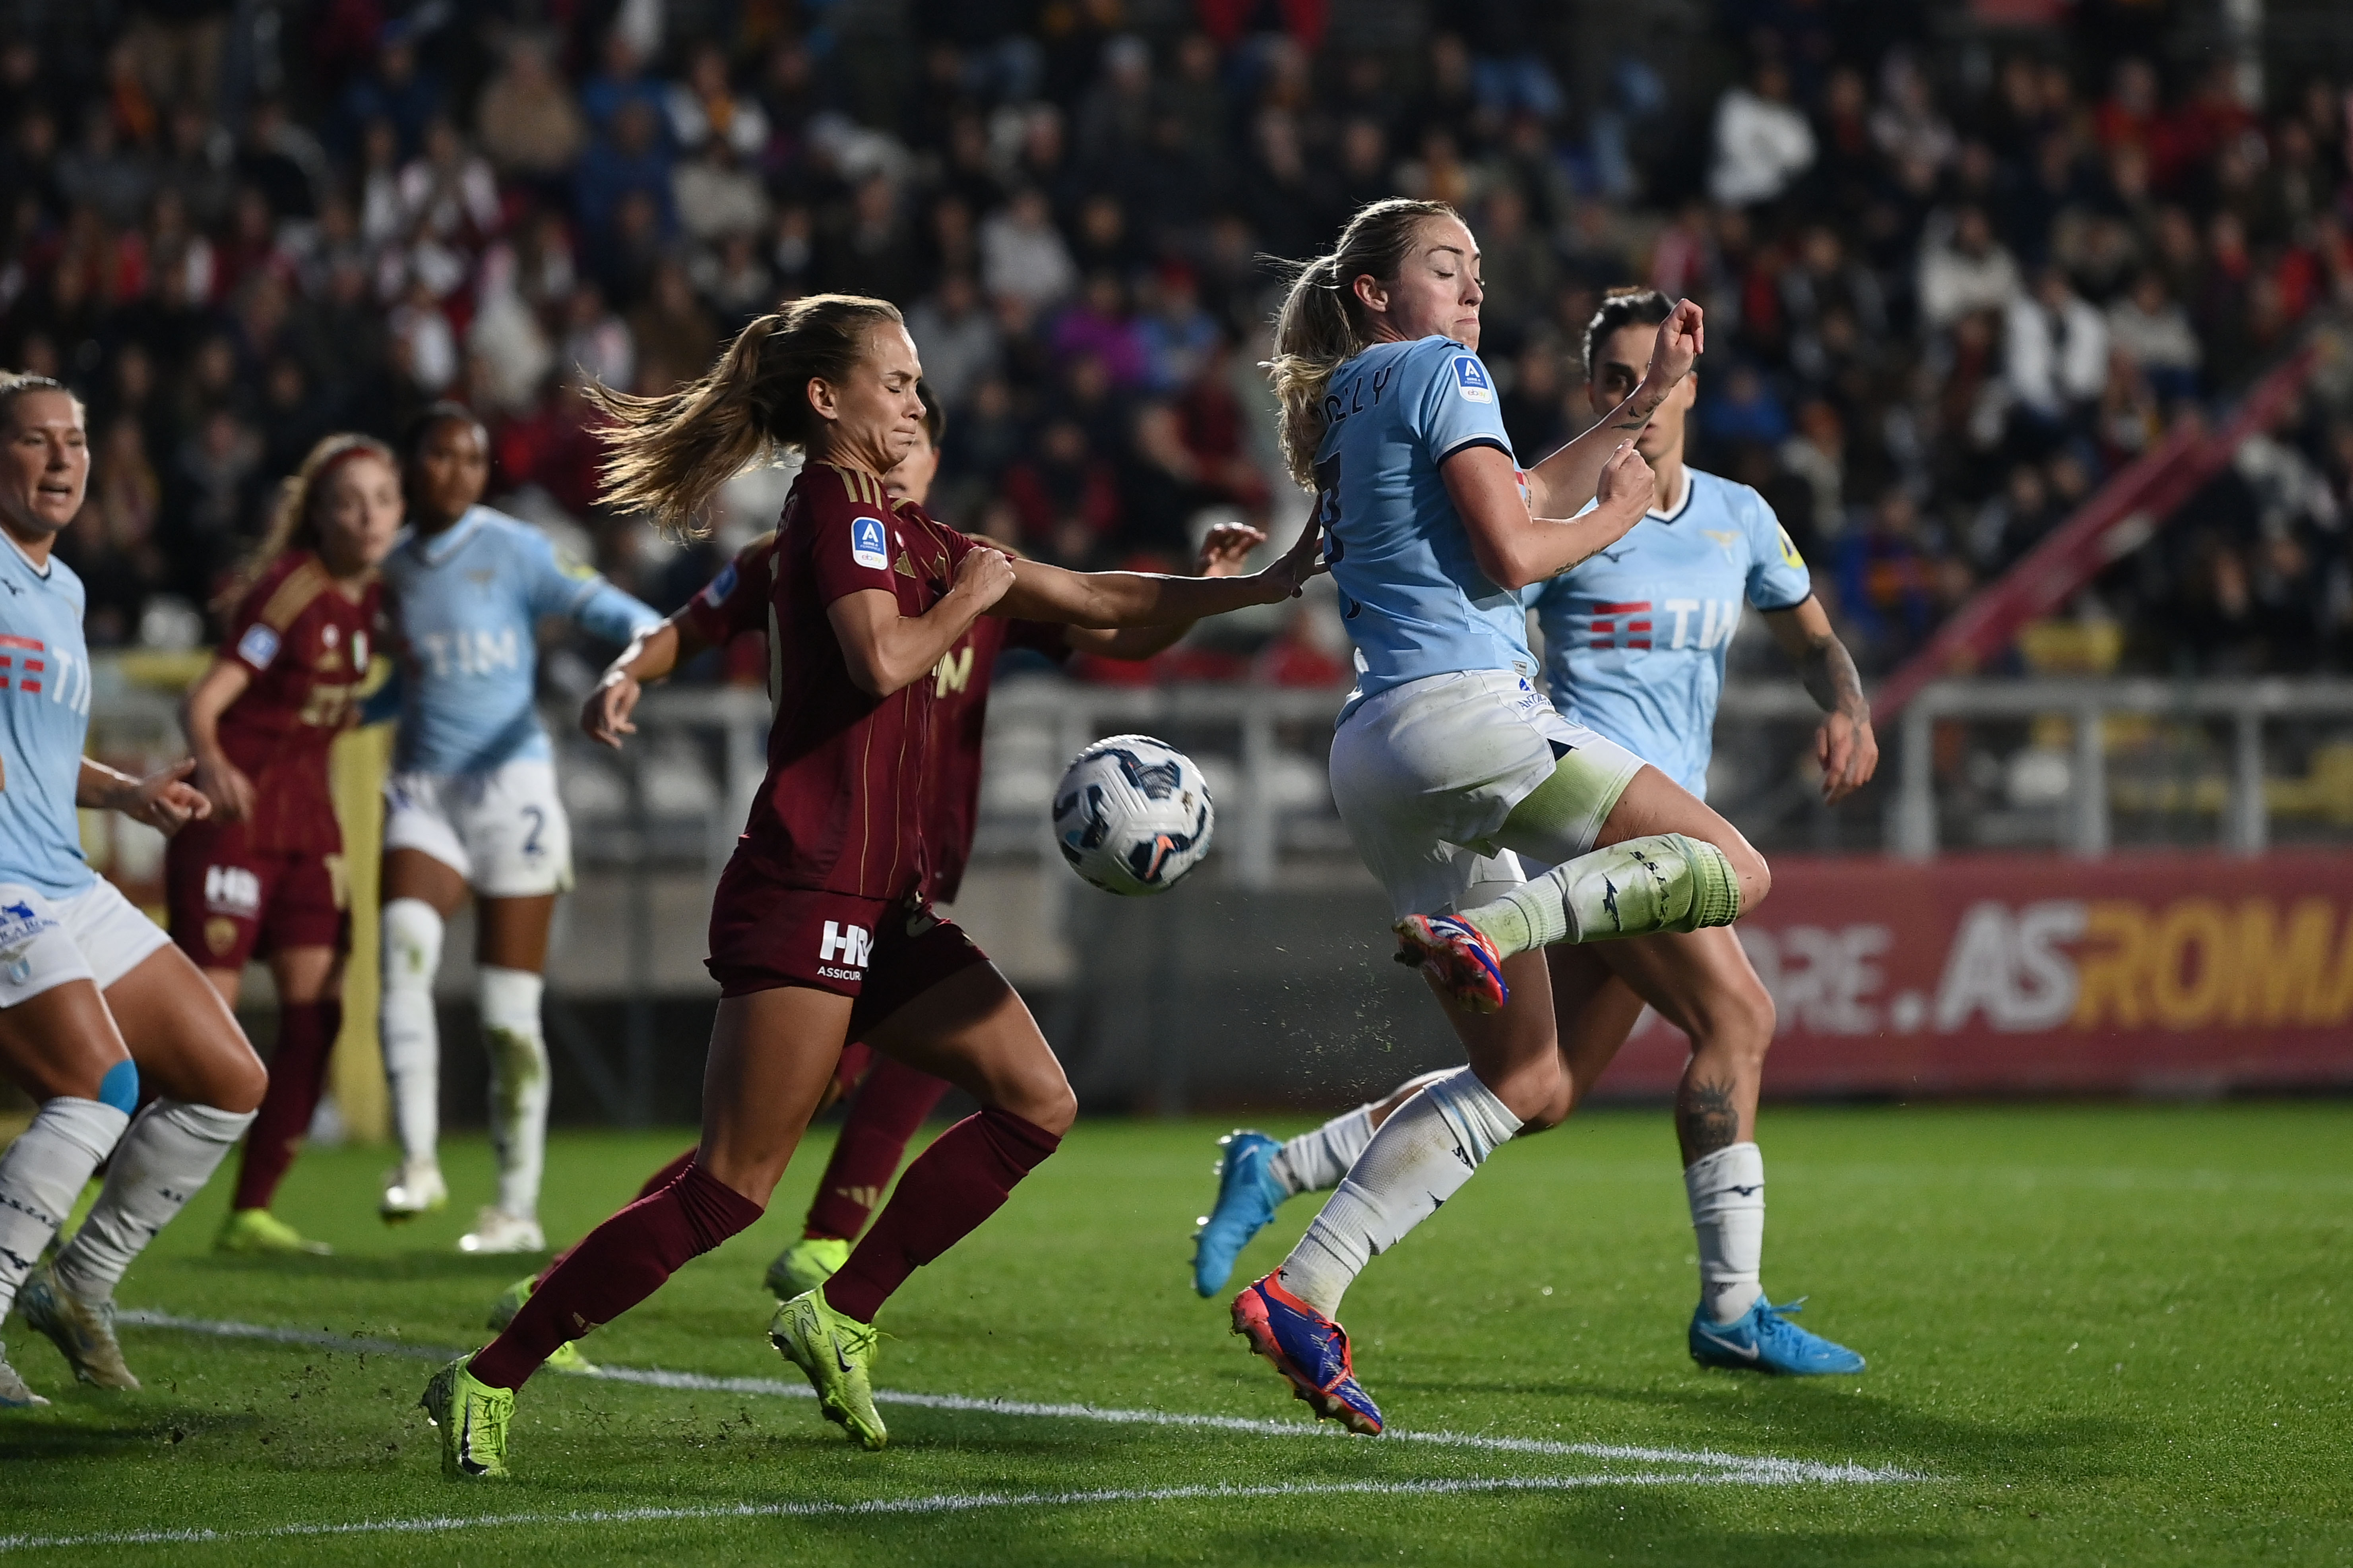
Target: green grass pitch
{"x":2096,"y":1335}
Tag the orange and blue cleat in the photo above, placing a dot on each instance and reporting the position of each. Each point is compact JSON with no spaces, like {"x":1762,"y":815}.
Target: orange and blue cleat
{"x":1310,"y":1350}
{"x":1457,"y":956}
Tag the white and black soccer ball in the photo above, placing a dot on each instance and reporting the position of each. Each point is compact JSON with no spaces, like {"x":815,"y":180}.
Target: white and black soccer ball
{"x":1132,"y":815}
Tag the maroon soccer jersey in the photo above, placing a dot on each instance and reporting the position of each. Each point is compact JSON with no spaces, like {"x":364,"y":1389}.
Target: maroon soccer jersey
{"x":306,"y":647}
{"x":845,"y":807}
{"x":735,"y":603}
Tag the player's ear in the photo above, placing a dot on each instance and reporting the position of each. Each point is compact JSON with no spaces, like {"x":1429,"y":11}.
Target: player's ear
{"x":1368,"y":289}
{"x":822,"y":398}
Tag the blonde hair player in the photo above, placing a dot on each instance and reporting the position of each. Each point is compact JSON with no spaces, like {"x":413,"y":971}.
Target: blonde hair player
{"x":1634,"y":648}
{"x":1448,"y":763}
{"x":96,"y":1005}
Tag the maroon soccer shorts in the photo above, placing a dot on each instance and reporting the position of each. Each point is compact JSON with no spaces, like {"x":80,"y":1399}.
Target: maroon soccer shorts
{"x":883,"y":953}
{"x":229,"y":902}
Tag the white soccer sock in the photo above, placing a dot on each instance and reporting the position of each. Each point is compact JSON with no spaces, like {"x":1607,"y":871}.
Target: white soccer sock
{"x":1418,"y":1159}
{"x":172,"y":1150}
{"x":512,"y":1034}
{"x":411,"y":1038}
{"x":1661,"y":882}
{"x":1315,"y":1161}
{"x":41,"y":1175}
{"x":1727,"y":1207}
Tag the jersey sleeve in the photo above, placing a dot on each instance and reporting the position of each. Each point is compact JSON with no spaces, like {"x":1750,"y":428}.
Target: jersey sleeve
{"x":849,"y":538}
{"x":257,"y":630}
{"x":1456,"y":405}
{"x":554,"y":584}
{"x":736,"y":601}
{"x":1777,"y":578}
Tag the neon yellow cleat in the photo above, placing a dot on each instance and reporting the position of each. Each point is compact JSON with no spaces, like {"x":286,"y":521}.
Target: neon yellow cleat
{"x":566,"y":1356}
{"x":260,"y":1233}
{"x":473,"y":1417}
{"x":806,"y":1265}
{"x":837,"y":1354}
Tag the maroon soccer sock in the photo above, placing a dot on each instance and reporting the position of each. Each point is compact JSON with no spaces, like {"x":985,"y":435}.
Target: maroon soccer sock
{"x":885,"y":1115}
{"x":652,"y":1185}
{"x":298,"y":1073}
{"x":954,"y":1186}
{"x":614,"y":1267}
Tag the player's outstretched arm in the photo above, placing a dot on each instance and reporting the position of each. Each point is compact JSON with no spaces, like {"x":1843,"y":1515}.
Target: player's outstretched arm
{"x":652,"y":654}
{"x":1564,"y":482}
{"x":1844,"y":745}
{"x":164,"y":800}
{"x":1225,"y":549}
{"x":1514,"y":549}
{"x":1111,"y":600}
{"x":220,"y":780}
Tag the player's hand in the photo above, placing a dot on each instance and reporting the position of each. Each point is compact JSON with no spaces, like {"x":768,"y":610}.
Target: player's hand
{"x":1682,"y":338}
{"x":984,"y":574}
{"x":1303,"y":561}
{"x":1626,"y":487}
{"x":605,"y":717}
{"x":164,"y":801}
{"x":226,"y":786}
{"x":1229,"y":544}
{"x":1849,"y":755}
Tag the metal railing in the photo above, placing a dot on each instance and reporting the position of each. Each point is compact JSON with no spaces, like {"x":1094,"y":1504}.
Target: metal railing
{"x":2248,"y":706}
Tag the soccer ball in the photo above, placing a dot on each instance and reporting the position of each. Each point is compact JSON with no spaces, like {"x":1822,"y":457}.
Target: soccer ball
{"x":1133,"y":814}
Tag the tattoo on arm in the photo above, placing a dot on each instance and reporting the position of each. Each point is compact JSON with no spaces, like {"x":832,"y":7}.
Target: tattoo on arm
{"x":1831,"y":678}
{"x":1705,"y":1117}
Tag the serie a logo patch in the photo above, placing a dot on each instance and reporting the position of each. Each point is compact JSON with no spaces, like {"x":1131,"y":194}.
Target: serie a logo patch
{"x":868,"y":544}
{"x":1471,"y":382}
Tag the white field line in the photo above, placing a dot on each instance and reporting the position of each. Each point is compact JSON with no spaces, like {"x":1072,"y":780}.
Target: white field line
{"x":937,"y":1502}
{"x":1760,"y":1469}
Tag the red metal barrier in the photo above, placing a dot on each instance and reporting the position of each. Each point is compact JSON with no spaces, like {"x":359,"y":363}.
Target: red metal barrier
{"x":2145,"y":972}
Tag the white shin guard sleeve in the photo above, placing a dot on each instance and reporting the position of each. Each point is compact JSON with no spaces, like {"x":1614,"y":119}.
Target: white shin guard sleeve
{"x":512,"y":1036}
{"x":1420,"y":1157}
{"x":42,"y":1175}
{"x":170,"y":1152}
{"x":1315,"y":1161}
{"x":1727,"y":1208}
{"x":411,"y":1038}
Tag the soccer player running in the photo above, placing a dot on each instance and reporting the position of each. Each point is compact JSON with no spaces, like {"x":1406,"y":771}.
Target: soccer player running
{"x":265,"y":871}
{"x":1448,"y":763}
{"x":471,"y":805}
{"x":819,"y":931}
{"x":96,"y":1005}
{"x":1635,"y":639}
{"x":891,"y":1099}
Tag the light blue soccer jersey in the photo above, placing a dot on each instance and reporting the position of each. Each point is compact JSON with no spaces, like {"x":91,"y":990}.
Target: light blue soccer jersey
{"x":1635,"y":636}
{"x":1414,"y":600}
{"x":466,"y":605}
{"x":44,"y":720}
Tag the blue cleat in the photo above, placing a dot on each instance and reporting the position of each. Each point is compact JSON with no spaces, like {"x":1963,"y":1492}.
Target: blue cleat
{"x":1248,"y":1195}
{"x":1310,"y":1350}
{"x":1763,"y":1339}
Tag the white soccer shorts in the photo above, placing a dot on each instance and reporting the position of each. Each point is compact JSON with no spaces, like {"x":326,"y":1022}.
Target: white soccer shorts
{"x":96,"y":935}
{"x":503,"y":830}
{"x":1425,"y":774}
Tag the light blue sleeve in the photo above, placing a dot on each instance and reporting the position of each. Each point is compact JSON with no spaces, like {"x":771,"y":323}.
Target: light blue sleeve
{"x":1456,"y":405}
{"x":554,"y":586}
{"x":1777,"y":578}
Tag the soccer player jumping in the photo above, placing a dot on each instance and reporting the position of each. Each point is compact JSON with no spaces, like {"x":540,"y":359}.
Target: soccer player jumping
{"x":1448,"y":763}
{"x":819,"y":931}
{"x":1635,"y":639}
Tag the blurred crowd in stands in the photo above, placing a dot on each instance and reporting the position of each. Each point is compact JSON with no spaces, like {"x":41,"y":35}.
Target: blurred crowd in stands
{"x":1950,"y":291}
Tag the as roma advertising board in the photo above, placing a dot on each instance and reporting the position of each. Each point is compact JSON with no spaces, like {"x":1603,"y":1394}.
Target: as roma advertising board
{"x":2152,"y":974}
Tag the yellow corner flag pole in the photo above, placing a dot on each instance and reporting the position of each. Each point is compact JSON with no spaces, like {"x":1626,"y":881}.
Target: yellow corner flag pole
{"x":357,"y":767}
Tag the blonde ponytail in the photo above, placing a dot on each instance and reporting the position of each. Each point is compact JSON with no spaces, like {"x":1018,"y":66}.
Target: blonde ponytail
{"x":1321,"y":325}
{"x":670,"y":453}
